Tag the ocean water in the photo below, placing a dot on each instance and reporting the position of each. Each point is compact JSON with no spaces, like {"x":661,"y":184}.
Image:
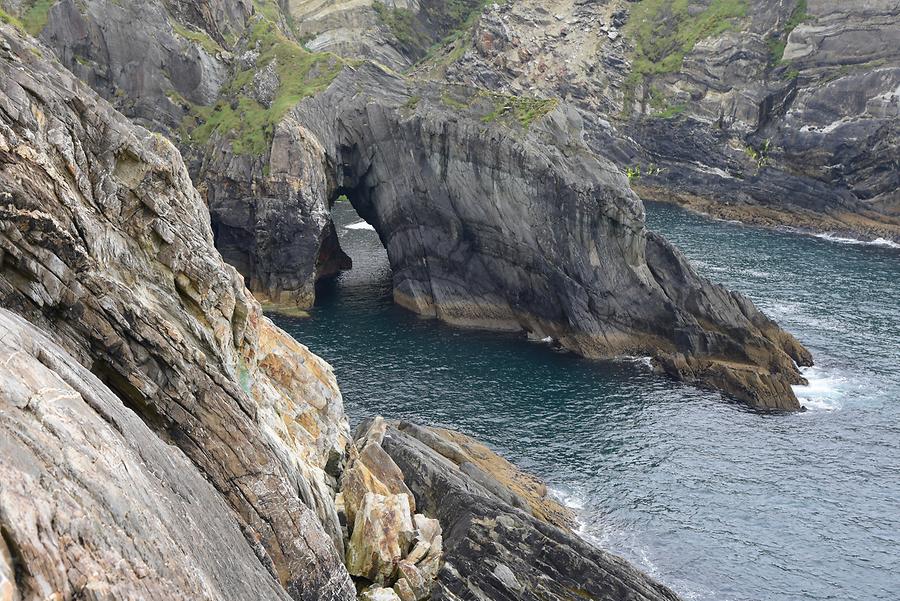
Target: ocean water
{"x":716,"y":501}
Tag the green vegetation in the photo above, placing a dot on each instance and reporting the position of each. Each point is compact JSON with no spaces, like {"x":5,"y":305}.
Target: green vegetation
{"x":7,"y":18}
{"x":664,"y":31}
{"x":523,"y":110}
{"x":35,"y":18}
{"x":499,"y":107}
{"x":209,"y":45}
{"x":32,"y":16}
{"x":249,"y":124}
{"x":672,"y":111}
{"x":634,"y":173}
{"x":437,"y":25}
{"x":404,"y":26}
{"x":760,"y":155}
{"x":661,"y":106}
{"x":778,"y":42}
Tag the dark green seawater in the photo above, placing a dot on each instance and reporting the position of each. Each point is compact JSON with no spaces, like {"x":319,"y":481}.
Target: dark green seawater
{"x":720,"y":503}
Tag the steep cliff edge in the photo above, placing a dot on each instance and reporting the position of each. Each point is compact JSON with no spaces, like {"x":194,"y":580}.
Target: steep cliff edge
{"x":495,"y":214}
{"x":771,"y":112}
{"x":160,"y":438}
{"x":104,"y":241}
{"x":518,"y":224}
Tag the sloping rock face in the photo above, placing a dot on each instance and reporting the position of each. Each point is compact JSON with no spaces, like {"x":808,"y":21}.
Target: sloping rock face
{"x":493,"y":550}
{"x":772,"y":112}
{"x":495,"y":214}
{"x":394,"y":33}
{"x":104,"y":242}
{"x":169,"y":65}
{"x":94,"y":504}
{"x":147,"y":57}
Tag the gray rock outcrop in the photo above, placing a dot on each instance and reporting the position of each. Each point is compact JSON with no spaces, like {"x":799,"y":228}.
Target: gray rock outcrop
{"x":105,"y":242}
{"x":493,"y":550}
{"x":495,"y":214}
{"x":777,"y":113}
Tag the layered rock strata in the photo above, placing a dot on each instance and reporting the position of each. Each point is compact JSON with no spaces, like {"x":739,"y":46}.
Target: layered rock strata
{"x":492,"y":548}
{"x":739,"y":109}
{"x":160,"y":437}
{"x":105,"y":242}
{"x":495,"y":214}
{"x":494,"y":209}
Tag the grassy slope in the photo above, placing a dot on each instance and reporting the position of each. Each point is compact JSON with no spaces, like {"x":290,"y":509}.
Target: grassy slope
{"x":237,"y":115}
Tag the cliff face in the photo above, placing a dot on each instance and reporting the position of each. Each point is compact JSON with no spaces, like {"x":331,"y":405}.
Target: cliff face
{"x":741,"y":109}
{"x":497,"y":210}
{"x":495,"y":214}
{"x":160,"y":437}
{"x":104,"y":242}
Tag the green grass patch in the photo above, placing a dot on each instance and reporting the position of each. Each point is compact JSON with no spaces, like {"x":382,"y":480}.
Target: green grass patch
{"x":664,"y":31}
{"x":405,"y":27}
{"x":7,"y":18}
{"x":249,"y":124}
{"x":671,"y":111}
{"x":201,"y":38}
{"x":35,"y":18}
{"x":778,"y":42}
{"x":524,"y":110}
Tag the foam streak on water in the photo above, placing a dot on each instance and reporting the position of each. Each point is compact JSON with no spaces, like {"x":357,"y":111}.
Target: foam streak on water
{"x":720,"y":503}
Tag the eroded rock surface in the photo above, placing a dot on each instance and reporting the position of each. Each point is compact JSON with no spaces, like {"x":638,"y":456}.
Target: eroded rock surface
{"x":105,"y":242}
{"x":493,"y":550}
{"x":495,"y":214}
{"x":739,"y":109}
{"x":94,"y":504}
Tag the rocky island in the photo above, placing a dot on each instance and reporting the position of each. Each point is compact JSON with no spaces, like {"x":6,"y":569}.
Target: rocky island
{"x":167,"y":165}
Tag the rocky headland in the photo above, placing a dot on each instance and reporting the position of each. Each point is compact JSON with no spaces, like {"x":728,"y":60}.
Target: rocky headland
{"x":511,"y":218}
{"x":167,"y":165}
{"x":162,"y":439}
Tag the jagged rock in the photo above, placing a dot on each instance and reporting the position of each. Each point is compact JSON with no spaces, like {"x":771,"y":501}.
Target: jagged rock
{"x":95,"y":504}
{"x":133,"y":55}
{"x":382,"y":533}
{"x":495,"y":214}
{"x":493,"y":551}
{"x":370,"y":470}
{"x":732,"y":95}
{"x":271,"y":216}
{"x":379,"y":594}
{"x":104,"y":241}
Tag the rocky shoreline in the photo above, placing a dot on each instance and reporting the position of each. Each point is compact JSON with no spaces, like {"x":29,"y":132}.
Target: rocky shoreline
{"x":850,"y":225}
{"x":161,"y":438}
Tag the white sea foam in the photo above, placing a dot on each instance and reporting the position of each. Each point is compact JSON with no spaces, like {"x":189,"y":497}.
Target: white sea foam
{"x":824,"y":391}
{"x":359,"y":225}
{"x":571,"y":499}
{"x":854,"y":241}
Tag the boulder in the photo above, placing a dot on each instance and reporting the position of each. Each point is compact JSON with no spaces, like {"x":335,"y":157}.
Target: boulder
{"x":382,"y":533}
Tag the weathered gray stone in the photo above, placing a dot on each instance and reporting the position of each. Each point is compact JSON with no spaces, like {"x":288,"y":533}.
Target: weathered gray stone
{"x":489,"y":222}
{"x":104,"y":241}
{"x":492,"y":551}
